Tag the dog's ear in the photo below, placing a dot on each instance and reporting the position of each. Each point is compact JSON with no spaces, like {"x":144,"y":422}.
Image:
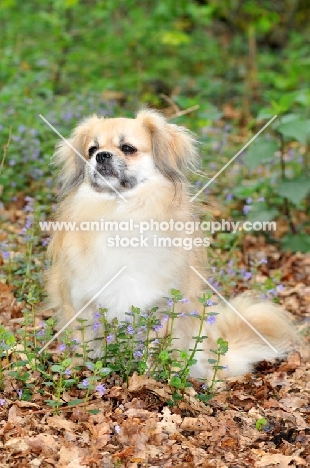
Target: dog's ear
{"x":69,"y":156}
{"x":175,"y":148}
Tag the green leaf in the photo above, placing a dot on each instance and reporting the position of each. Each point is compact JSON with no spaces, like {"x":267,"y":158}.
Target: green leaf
{"x":295,"y":190}
{"x":296,"y":243}
{"x":262,"y":213}
{"x":260,"y":423}
{"x":57,"y":368}
{"x":265,"y":113}
{"x":93,"y":411}
{"x":259,"y":152}
{"x":294,"y":127}
{"x":75,"y":402}
{"x":176,"y":382}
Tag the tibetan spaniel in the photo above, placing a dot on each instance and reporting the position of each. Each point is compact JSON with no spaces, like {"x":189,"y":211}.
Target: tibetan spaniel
{"x":132,"y":171}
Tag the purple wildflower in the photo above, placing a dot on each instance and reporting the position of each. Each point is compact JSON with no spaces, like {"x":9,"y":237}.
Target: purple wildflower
{"x":45,"y":241}
{"x":97,"y":315}
{"x":249,"y":200}
{"x":166,"y":317}
{"x":109,"y":338}
{"x":210,"y":319}
{"x":67,"y":371}
{"x":246,"y":209}
{"x":5,"y":255}
{"x":194,"y":313}
{"x":101,"y":389}
{"x":170,"y":302}
{"x":2,"y":402}
{"x":209,"y":303}
{"x":158,"y":327}
{"x":137,"y":353}
{"x":85,"y":383}
{"x":263,"y":260}
{"x":247,"y":275}
{"x":184,"y":300}
{"x":61,"y":347}
{"x":130,"y":330}
{"x":96,"y":326}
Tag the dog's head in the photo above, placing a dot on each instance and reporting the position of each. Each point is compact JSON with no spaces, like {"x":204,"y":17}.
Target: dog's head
{"x":123,"y":153}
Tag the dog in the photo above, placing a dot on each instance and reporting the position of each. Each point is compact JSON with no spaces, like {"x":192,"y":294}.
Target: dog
{"x":134,"y":171}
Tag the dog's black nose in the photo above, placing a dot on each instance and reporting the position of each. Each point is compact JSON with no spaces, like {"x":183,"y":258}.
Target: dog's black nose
{"x":103,"y":156}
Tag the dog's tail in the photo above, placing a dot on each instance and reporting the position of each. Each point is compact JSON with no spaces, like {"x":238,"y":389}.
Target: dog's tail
{"x":255,"y":330}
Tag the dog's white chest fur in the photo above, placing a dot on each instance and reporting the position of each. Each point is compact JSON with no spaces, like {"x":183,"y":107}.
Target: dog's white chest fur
{"x":150,"y":271}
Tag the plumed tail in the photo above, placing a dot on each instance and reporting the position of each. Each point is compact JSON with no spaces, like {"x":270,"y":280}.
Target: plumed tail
{"x":271,"y":337}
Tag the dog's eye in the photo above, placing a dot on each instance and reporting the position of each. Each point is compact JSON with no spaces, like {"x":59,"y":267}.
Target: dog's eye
{"x":127,"y":149}
{"x":91,"y":150}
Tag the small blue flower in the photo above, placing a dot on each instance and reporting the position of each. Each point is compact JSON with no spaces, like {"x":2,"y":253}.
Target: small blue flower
{"x":61,"y":347}
{"x":229,"y":196}
{"x":226,"y":367}
{"x":130,"y":330}
{"x":249,"y":200}
{"x":280,"y":288}
{"x":19,"y":393}
{"x":109,"y":338}
{"x":209,"y":303}
{"x":5,"y":255}
{"x":204,"y":387}
{"x":166,"y":317}
{"x":96,"y":326}
{"x":261,"y":199}
{"x":210,"y":319}
{"x":247,"y":275}
{"x":97,"y":315}
{"x":85,"y":383}
{"x":170,"y":302}
{"x":156,"y":341}
{"x":194,"y":313}
{"x":246,"y":209}
{"x":158,"y":327}
{"x":2,"y":402}
{"x":67,"y":371}
{"x":137,"y":353}
{"x":101,"y":389}
{"x":263,"y":260}
{"x":184,"y":300}
{"x":45,"y":241}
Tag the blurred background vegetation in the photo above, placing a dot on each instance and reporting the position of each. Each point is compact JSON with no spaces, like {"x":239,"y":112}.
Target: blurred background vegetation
{"x":222,"y":68}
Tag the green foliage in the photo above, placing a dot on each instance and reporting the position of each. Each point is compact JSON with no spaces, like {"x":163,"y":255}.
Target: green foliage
{"x":261,"y":423}
{"x":133,"y":345}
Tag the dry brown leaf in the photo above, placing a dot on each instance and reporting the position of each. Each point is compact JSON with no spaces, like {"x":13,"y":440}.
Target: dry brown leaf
{"x":169,"y":422}
{"x":282,"y":461}
{"x":71,"y":457}
{"x":59,"y":422}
